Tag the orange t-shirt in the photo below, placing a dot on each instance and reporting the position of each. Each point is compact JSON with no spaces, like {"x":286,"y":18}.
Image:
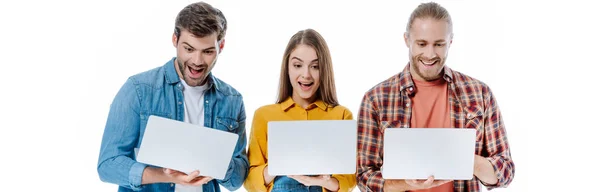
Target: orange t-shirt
{"x":430,"y":109}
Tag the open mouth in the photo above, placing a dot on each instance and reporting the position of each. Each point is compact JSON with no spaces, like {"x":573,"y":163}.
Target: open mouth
{"x":196,"y":72}
{"x":429,"y":63}
{"x":306,"y":86}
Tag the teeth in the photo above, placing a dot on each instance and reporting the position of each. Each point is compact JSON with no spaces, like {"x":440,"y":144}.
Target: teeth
{"x":426,"y":63}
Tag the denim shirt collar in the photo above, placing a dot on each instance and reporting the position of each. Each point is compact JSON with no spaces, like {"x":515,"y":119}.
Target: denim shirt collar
{"x":173,"y":78}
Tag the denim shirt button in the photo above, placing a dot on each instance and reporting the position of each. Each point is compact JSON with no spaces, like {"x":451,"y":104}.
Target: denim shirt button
{"x":179,"y":102}
{"x":172,"y":184}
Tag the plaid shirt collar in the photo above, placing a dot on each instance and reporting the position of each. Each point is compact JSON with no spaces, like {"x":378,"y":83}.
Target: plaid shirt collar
{"x":404,"y":78}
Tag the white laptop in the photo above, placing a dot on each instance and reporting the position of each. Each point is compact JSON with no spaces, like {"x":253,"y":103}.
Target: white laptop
{"x":186,"y":147}
{"x":312,"y":147}
{"x":417,"y":153}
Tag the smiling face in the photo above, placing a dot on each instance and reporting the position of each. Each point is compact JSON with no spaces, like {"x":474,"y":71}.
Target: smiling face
{"x":196,"y":56}
{"x":303,"y":72}
{"x":428,"y":41}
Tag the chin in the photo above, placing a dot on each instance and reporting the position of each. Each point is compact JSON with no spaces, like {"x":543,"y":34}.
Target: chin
{"x":306,"y":96}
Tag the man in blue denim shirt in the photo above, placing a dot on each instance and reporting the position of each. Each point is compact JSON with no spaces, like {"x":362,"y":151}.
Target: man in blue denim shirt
{"x":183,"y":89}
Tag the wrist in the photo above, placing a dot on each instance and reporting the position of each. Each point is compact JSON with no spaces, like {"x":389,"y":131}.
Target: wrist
{"x":154,"y":175}
{"x":388,"y":185}
{"x":479,"y":163}
{"x":332,"y":184}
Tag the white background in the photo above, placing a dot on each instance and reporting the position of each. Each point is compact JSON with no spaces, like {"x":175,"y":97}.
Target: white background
{"x":61,"y":63}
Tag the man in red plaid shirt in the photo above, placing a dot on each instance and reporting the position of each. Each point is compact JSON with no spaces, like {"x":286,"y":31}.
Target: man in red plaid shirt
{"x":429,"y":94}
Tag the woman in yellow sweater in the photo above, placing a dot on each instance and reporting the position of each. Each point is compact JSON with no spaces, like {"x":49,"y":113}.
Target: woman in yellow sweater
{"x":306,"y":92}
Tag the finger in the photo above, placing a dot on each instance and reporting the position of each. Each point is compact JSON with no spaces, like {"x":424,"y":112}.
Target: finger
{"x":326,"y":177}
{"x":200,"y":180}
{"x":429,"y":181}
{"x":206,"y":179}
{"x":192,"y":176}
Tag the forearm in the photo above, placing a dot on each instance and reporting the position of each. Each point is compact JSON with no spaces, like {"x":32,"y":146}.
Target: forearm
{"x":154,"y":175}
{"x":484,"y":170}
{"x":267,"y":178}
{"x":332,"y":184}
{"x":238,"y":167}
{"x":121,"y":170}
{"x":237,"y":173}
{"x":502,"y":169}
{"x":121,"y":133}
{"x":396,"y":185}
{"x":499,"y":169}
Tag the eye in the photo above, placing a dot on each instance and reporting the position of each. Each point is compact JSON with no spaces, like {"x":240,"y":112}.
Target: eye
{"x":188,"y":49}
{"x":209,"y":52}
{"x":297,"y":65}
{"x":421,"y":44}
{"x":315,"y":67}
{"x":439,"y":44}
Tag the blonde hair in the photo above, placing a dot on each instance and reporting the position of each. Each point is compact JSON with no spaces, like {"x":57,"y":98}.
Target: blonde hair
{"x":429,"y":10}
{"x":326,"y":91}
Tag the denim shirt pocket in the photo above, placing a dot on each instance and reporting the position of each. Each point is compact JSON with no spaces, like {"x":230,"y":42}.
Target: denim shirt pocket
{"x":145,"y":115}
{"x":227,"y":124}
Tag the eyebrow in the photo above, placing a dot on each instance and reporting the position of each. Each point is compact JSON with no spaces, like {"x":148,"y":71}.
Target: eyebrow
{"x":303,"y":61}
{"x":437,"y":41}
{"x":297,"y":59}
{"x":195,"y":48}
{"x":189,"y":45}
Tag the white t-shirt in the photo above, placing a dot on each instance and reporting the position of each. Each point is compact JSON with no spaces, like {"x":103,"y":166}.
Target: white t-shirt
{"x":193,"y":113}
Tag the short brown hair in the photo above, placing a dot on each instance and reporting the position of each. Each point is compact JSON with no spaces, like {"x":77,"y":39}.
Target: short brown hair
{"x":429,"y":10}
{"x":326,"y":91}
{"x":201,"y":19}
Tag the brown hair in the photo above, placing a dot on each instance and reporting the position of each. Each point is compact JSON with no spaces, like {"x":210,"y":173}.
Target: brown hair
{"x":326,"y":91}
{"x":429,"y":10}
{"x":201,"y":19}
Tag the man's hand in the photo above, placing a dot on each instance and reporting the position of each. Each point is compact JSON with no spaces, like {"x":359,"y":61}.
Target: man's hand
{"x":184,"y":179}
{"x":484,"y":170}
{"x":426,"y":184}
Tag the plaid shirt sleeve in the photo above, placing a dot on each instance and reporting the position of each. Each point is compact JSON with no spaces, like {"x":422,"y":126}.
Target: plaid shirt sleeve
{"x":369,"y":147}
{"x":496,"y":142}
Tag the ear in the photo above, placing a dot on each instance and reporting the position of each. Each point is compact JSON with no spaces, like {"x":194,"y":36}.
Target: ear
{"x":174,"y":39}
{"x":221,"y":45}
{"x":451,"y":37}
{"x":406,"y":39}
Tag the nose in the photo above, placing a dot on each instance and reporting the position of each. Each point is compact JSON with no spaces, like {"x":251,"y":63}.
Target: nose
{"x":429,"y":52}
{"x":197,"y":59}
{"x":306,"y":73}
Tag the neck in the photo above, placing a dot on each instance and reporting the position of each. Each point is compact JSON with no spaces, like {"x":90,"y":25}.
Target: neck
{"x":304,"y":103}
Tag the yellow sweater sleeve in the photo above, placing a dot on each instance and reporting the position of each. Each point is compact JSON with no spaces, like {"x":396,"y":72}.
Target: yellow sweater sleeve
{"x":257,"y":155}
{"x":346,"y":182}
